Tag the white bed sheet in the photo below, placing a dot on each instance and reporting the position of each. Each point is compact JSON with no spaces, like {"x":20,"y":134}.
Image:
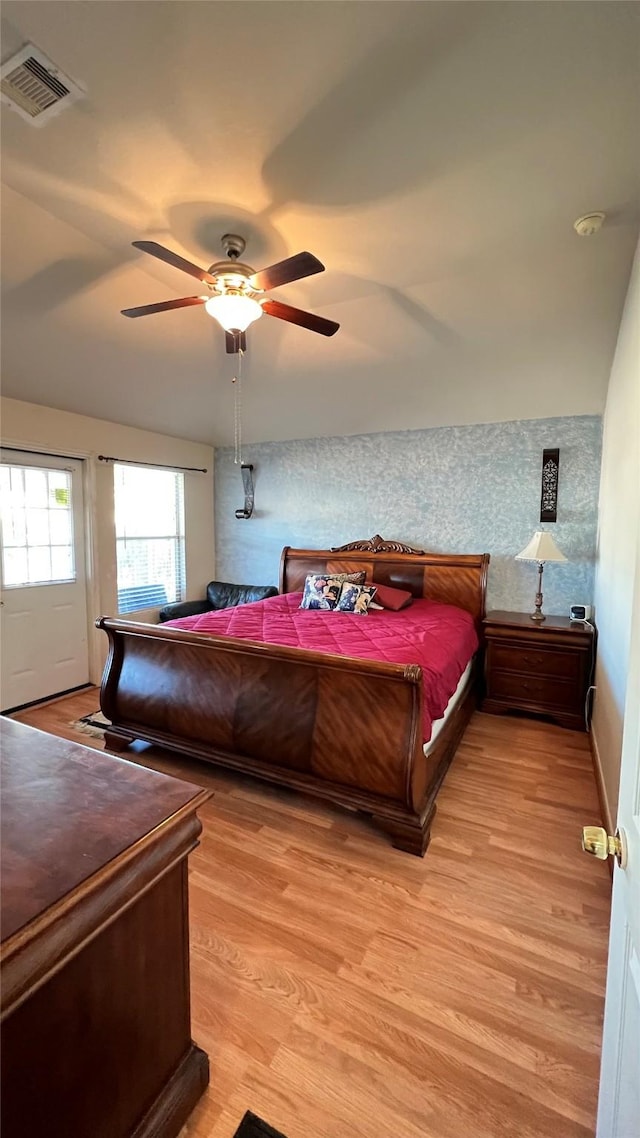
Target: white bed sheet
{"x":438,"y":724}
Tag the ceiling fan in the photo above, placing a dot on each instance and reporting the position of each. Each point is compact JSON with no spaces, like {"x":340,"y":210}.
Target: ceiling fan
{"x":236,"y":291}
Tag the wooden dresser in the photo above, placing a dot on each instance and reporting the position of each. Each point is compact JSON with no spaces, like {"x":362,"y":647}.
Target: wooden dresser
{"x":96,"y":1037}
{"x":539,"y":668}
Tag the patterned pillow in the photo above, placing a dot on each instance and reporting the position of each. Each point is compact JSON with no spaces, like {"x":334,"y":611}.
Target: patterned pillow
{"x":321,"y":590}
{"x":355,"y":598}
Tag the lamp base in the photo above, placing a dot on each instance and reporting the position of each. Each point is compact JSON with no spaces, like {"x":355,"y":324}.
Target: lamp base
{"x":538,"y":615}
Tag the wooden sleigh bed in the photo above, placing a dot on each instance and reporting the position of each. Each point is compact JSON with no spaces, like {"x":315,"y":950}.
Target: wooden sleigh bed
{"x":345,"y":729}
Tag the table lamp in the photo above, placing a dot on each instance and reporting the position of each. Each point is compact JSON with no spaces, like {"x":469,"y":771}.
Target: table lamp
{"x":541,"y":548}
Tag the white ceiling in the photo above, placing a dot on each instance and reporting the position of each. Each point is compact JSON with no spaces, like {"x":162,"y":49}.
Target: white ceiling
{"x":433,"y":155}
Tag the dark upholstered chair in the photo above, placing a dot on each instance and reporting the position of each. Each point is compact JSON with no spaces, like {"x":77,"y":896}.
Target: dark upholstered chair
{"x":220,"y":595}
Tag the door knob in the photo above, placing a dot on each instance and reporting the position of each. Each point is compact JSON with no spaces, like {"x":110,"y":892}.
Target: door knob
{"x":596,"y":841}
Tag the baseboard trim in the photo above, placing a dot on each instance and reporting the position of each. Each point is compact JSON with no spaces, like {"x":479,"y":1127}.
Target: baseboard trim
{"x":178,"y":1097}
{"x":56,"y":697}
{"x":605,"y":809}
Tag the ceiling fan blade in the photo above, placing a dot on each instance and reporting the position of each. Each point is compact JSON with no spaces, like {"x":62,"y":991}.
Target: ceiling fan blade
{"x":178,"y":262}
{"x":297,"y":316}
{"x":284,"y":272}
{"x":235,"y":342}
{"x":163,"y":306}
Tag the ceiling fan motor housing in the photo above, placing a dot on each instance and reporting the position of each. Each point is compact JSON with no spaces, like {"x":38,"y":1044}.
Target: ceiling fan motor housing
{"x":232,"y":276}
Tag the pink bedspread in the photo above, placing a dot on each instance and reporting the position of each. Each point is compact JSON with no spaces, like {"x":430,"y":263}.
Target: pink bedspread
{"x":441,"y":638}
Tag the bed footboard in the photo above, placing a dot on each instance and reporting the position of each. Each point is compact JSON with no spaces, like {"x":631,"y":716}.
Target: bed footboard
{"x":344,"y":729}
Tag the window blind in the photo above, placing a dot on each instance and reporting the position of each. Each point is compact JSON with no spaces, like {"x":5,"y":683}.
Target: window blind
{"x":149,"y":516}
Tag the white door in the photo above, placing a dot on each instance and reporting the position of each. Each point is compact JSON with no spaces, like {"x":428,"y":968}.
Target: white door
{"x":619,"y":1104}
{"x":44,"y":604}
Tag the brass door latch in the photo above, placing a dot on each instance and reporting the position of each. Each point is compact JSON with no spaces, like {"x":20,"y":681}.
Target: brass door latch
{"x":597,"y":842}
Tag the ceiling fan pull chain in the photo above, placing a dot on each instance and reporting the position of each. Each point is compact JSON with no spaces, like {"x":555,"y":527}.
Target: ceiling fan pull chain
{"x":237,"y":410}
{"x":235,"y":419}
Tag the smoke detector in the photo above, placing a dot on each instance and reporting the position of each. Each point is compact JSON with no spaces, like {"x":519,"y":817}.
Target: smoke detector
{"x":589,"y":224}
{"x":34,"y":87}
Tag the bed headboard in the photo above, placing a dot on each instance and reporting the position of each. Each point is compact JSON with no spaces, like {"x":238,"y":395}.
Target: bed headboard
{"x":451,"y":578}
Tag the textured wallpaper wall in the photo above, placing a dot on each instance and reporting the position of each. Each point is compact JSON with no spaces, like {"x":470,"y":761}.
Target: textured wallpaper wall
{"x":451,"y":489}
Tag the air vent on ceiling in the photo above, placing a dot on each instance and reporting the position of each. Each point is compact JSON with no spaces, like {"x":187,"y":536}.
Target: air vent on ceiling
{"x":34,"y":87}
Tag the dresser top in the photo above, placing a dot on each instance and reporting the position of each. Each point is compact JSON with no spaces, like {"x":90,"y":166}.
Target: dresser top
{"x":522,"y":620}
{"x":66,"y":811}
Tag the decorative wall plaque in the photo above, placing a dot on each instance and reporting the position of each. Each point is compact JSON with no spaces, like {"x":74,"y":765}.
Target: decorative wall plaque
{"x":549,"y":491}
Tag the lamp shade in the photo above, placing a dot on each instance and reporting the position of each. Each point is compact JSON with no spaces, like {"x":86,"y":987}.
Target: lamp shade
{"x":542,"y":547}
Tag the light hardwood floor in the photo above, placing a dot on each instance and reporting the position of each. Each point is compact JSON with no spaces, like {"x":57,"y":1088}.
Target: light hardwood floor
{"x":346,"y":990}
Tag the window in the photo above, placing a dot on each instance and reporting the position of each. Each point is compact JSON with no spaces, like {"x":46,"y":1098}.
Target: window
{"x":149,"y":508}
{"x":37,"y":526}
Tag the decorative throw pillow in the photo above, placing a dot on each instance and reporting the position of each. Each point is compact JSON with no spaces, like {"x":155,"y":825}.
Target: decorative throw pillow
{"x":394,"y":599}
{"x":357,"y":578}
{"x":321,"y":590}
{"x":355,"y":598}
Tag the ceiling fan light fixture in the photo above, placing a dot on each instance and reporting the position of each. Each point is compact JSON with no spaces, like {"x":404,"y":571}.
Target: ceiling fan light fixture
{"x":233,"y":311}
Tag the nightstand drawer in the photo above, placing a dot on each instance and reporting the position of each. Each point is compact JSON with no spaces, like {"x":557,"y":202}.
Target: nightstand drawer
{"x":532,"y":689}
{"x":541,"y":661}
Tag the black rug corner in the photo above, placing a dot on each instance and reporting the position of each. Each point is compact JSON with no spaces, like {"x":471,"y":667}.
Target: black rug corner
{"x":253,"y":1127}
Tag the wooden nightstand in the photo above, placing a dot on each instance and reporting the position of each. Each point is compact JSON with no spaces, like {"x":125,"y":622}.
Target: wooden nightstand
{"x":539,"y":668}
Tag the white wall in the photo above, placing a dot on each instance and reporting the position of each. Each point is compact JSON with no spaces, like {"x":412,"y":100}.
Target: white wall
{"x":618,"y":526}
{"x":39,"y":428}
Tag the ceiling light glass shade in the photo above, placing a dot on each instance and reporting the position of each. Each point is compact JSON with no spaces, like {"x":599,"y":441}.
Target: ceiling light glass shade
{"x":542,"y":547}
{"x":234,"y":313}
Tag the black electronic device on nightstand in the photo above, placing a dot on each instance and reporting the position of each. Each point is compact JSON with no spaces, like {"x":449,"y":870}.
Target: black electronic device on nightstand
{"x":580,"y":612}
